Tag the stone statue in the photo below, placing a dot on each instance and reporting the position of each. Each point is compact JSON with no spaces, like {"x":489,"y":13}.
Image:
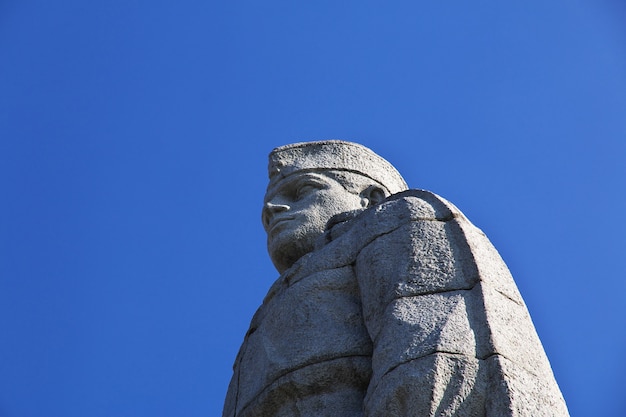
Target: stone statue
{"x":389,"y":303}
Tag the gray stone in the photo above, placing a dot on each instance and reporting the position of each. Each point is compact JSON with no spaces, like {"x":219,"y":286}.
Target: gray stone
{"x":389,"y":303}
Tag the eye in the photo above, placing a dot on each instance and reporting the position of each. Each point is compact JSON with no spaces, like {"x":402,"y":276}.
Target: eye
{"x":304,"y":189}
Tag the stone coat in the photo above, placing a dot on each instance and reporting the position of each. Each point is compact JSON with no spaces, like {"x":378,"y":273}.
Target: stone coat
{"x":405,"y":309}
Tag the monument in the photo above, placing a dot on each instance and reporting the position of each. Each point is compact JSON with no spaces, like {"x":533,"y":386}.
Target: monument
{"x":389,"y":303}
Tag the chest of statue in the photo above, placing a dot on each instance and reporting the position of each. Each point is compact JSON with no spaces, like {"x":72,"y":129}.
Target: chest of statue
{"x":308,"y":332}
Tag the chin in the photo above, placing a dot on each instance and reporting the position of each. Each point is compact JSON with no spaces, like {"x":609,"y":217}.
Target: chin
{"x":285,"y":252}
{"x":283,"y":259}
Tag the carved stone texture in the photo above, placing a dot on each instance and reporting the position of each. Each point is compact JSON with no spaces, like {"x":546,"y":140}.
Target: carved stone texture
{"x":389,"y":303}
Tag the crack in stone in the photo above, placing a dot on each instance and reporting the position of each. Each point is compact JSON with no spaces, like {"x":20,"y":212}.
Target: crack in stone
{"x":278,"y":377}
{"x":510,"y":360}
{"x":393,"y":368}
{"x":506,"y":296}
{"x":426,"y":293}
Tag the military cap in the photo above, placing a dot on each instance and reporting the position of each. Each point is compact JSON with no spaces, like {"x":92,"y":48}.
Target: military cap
{"x":333,"y":155}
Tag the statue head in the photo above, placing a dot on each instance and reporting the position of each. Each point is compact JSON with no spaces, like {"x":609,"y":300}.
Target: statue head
{"x":310,"y":183}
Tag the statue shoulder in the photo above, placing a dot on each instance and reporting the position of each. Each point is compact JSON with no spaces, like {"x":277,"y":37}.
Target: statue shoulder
{"x":421,"y":204}
{"x":349,"y":233}
{"x":395,"y":210}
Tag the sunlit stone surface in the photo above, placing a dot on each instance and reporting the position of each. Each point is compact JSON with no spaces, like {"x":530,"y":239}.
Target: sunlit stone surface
{"x":389,"y":303}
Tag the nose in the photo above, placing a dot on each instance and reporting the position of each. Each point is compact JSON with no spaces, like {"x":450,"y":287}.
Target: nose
{"x":276,"y":208}
{"x":269,"y":209}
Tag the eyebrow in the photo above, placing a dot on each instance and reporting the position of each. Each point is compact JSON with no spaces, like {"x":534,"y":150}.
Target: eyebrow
{"x":294,"y":179}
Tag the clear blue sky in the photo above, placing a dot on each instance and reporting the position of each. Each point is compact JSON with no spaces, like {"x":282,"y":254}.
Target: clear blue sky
{"x":133,"y":144}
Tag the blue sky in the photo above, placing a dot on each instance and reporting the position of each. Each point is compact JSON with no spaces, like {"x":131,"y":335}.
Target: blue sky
{"x":133,"y":145}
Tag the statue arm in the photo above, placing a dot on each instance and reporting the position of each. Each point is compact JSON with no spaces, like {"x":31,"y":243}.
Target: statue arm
{"x":446,"y":321}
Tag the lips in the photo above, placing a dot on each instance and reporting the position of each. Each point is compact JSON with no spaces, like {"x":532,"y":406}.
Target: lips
{"x":278,"y":222}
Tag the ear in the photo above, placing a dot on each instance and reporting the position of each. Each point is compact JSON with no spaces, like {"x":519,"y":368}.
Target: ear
{"x":372,"y":195}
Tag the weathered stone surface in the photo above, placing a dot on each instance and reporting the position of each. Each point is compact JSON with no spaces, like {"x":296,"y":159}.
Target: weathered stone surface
{"x":399,"y":307}
{"x":440,"y":384}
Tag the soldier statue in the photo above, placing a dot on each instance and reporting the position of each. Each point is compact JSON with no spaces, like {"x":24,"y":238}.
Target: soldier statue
{"x":389,"y":302}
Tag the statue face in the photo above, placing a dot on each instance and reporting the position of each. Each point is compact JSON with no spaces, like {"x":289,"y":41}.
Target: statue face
{"x":296,"y":211}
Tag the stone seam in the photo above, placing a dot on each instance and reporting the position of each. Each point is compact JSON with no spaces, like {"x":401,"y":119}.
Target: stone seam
{"x":265,"y":388}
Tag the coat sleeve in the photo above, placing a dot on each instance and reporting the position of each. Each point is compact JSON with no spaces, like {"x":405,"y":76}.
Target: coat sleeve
{"x":451,"y":334}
